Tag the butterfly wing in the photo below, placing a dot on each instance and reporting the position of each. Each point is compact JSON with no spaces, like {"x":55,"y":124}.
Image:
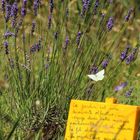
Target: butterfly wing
{"x":100,"y":75}
{"x":93,"y":77}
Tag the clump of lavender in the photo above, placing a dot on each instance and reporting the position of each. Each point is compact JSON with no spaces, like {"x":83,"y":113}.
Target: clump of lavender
{"x":124,"y":53}
{"x":3,"y":5}
{"x":110,"y":24}
{"x":120,"y":87}
{"x":86,"y":4}
{"x":131,"y":57}
{"x":8,"y":12}
{"x":129,"y":92}
{"x":96,"y":5}
{"x":105,"y":63}
{"x":6,"y":47}
{"x":78,"y":37}
{"x":14,"y":12}
{"x":127,"y":17}
{"x":33,"y":27}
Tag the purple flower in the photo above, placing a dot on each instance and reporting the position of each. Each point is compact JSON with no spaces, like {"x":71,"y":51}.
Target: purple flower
{"x":131,"y":57}
{"x":66,"y":43}
{"x":105,"y":63}
{"x":36,"y":47}
{"x":96,"y":5}
{"x":124,"y":53}
{"x":110,"y":24}
{"x":6,"y":47}
{"x":23,"y":11}
{"x":3,"y":5}
{"x":24,"y":3}
{"x":120,"y":87}
{"x":86,"y":4}
{"x":5,"y":44}
{"x":18,"y":26}
{"x":49,"y":21}
{"x":36,"y":5}
{"x":129,"y":92}
{"x":51,"y":6}
{"x":33,"y":27}
{"x":93,"y":70}
{"x":8,"y":34}
{"x":78,"y":37}
{"x":127,"y":17}
{"x":14,"y":12}
{"x":8,"y":12}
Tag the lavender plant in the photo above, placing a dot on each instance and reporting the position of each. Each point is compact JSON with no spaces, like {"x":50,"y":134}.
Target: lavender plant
{"x":46,"y":55}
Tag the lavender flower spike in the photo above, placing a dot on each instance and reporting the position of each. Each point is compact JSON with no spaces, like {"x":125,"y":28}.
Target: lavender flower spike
{"x":33,"y":27}
{"x":78,"y":37}
{"x":3,"y":5}
{"x":120,"y":87}
{"x":93,"y":70}
{"x":8,"y":12}
{"x":127,"y":17}
{"x":36,"y":5}
{"x":86,"y":4}
{"x":129,"y":92}
{"x":110,"y":24}
{"x":66,"y":43}
{"x":8,"y":34}
{"x":124,"y":53}
{"x":96,"y":5}
{"x":105,"y":63}
{"x":131,"y":57}
{"x":23,"y":12}
{"x":24,"y":3}
{"x":51,"y":6}
{"x":6,"y":47}
{"x":49,"y":21}
{"x":14,"y":12}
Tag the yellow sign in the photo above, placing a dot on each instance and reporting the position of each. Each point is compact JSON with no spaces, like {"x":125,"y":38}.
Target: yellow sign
{"x":102,"y":121}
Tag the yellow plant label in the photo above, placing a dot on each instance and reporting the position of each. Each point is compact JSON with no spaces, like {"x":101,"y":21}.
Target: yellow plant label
{"x":89,"y":120}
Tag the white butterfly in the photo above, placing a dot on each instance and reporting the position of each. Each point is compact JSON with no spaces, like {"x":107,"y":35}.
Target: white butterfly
{"x":98,"y":76}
